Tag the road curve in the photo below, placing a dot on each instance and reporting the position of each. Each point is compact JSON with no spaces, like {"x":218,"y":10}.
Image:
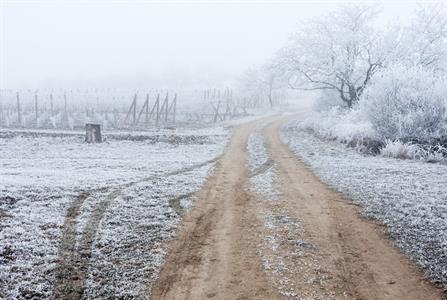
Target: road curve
{"x":214,"y":255}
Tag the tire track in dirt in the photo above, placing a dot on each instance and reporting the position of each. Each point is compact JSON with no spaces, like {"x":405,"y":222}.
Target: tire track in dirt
{"x":357,"y":258}
{"x":74,"y":259}
{"x":69,"y":276}
{"x":214,"y":255}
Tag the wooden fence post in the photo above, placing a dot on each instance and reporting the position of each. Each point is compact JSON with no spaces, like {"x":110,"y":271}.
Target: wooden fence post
{"x":173,"y":107}
{"x":65,"y":103}
{"x":52,"y":105}
{"x":36,"y":108}
{"x":144,"y":109}
{"x":19,"y":110}
{"x":1,"y":110}
{"x":132,"y":111}
{"x":157,"y":103}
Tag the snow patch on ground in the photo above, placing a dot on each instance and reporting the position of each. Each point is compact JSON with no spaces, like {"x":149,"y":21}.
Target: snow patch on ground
{"x":409,"y":197}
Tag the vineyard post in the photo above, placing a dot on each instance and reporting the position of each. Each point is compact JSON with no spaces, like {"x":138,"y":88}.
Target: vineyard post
{"x":157,"y":120}
{"x":51,"y":105}
{"x":36,"y":108}
{"x":65,"y":103}
{"x":1,"y":110}
{"x":144,"y":109}
{"x":147,"y":110}
{"x":65,"y":119}
{"x":174,"y":103}
{"x":19,"y":112}
{"x":166,"y":107}
{"x":135,"y":110}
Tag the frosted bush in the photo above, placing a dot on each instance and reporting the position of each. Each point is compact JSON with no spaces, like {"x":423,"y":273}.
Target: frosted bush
{"x":406,"y":102}
{"x":340,"y":124}
{"x":398,"y":149}
{"x":433,"y":153}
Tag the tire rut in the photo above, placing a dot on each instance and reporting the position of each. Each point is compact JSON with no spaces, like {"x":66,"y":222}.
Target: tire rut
{"x":74,"y":257}
{"x":355,"y":254}
{"x":214,"y":255}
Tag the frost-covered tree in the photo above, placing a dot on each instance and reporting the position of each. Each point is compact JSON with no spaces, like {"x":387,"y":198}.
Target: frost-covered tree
{"x":409,"y":97}
{"x":340,"y":51}
{"x":407,"y":102}
{"x":427,"y":37}
{"x":262,"y":82}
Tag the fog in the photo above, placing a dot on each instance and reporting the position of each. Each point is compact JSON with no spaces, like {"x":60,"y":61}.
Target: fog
{"x":146,"y":43}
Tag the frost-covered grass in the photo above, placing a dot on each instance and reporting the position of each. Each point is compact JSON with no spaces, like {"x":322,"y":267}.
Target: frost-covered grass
{"x":338,"y":124}
{"x":131,"y":242}
{"x":262,"y":169}
{"x":257,"y":151}
{"x":134,"y":181}
{"x":409,"y":197}
{"x":287,"y":257}
{"x":398,"y":149}
{"x":352,"y":128}
{"x":283,"y":250}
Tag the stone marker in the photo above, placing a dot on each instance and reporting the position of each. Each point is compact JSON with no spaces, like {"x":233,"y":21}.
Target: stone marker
{"x":93,"y":133}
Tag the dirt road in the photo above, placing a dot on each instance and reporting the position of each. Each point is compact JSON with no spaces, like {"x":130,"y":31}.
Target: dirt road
{"x":333,"y":255}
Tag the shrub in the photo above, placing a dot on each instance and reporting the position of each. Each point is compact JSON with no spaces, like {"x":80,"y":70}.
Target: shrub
{"x":398,"y":149}
{"x":402,"y":150}
{"x":345,"y":126}
{"x":406,"y":102}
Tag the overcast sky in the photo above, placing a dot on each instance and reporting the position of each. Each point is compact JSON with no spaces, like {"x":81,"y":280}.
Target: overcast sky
{"x":129,"y":43}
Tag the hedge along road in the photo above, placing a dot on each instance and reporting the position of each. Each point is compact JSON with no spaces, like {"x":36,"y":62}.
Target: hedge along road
{"x":215,"y":254}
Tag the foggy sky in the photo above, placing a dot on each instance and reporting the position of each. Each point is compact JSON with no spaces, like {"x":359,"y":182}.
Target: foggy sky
{"x":138,"y":43}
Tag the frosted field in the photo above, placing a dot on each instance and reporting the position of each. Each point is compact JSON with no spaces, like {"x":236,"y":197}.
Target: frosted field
{"x":71,"y":213}
{"x":409,"y":197}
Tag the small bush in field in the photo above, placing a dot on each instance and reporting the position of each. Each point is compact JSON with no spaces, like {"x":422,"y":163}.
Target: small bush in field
{"x":340,"y":124}
{"x":398,"y":149}
{"x":406,"y":102}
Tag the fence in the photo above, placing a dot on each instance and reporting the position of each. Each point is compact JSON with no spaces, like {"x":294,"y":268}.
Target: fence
{"x":123,"y":109}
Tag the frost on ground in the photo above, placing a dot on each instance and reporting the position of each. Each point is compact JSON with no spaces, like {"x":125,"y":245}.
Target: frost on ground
{"x":130,"y":245}
{"x":261,"y":167}
{"x":409,"y":197}
{"x":134,"y":191}
{"x":284,"y":252}
{"x":292,"y":262}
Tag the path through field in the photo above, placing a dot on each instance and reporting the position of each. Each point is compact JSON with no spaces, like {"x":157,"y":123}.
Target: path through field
{"x":324,"y":249}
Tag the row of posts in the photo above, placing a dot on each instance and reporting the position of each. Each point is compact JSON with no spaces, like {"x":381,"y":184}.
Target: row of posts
{"x":161,"y":111}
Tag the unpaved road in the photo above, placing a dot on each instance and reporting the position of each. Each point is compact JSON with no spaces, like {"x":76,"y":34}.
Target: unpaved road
{"x":216,"y":252}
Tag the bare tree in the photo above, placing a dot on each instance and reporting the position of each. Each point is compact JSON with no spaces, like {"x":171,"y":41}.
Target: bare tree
{"x":426,"y":37}
{"x":262,"y":82}
{"x":339,"y":52}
